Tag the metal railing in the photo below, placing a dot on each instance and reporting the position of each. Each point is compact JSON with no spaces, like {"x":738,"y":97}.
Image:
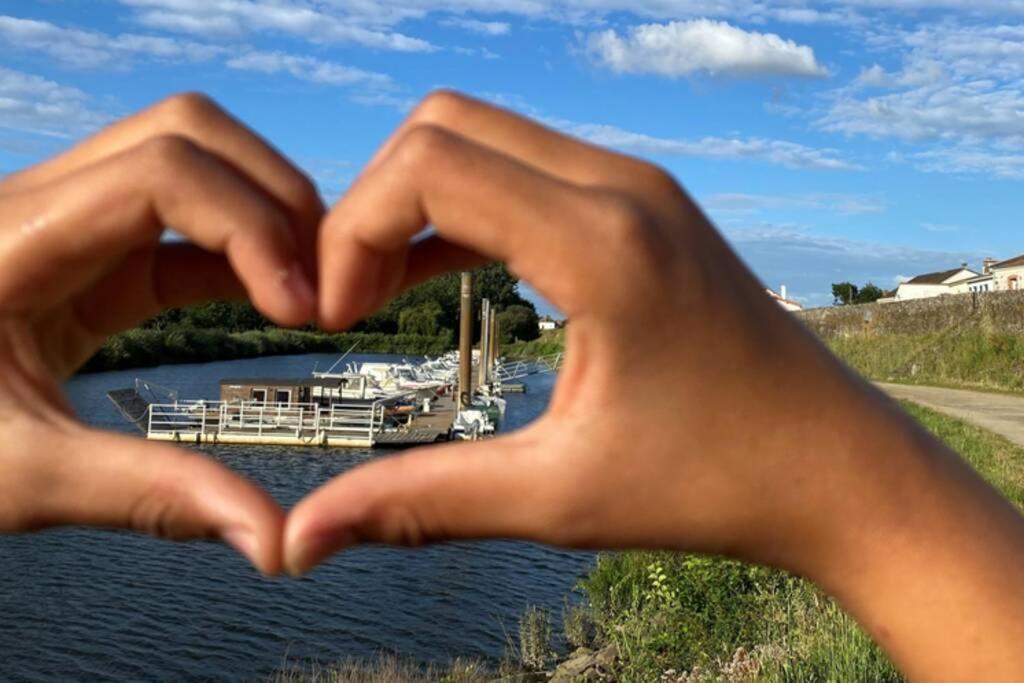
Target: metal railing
{"x":304,"y":421}
{"x":513,"y":370}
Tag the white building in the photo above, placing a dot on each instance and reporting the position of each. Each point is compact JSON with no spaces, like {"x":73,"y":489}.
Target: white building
{"x":936,"y":284}
{"x":1009,"y":274}
{"x":547,"y":324}
{"x":998,"y":276}
{"x":785,"y":301}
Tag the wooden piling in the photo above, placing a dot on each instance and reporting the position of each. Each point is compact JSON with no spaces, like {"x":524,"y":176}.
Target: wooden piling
{"x":495,"y":337}
{"x":466,"y":342}
{"x":485,"y":342}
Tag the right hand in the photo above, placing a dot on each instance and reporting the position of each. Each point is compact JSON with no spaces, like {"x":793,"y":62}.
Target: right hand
{"x":692,"y":412}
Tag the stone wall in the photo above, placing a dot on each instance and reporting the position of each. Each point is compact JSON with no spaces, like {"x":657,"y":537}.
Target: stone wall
{"x":995,"y":312}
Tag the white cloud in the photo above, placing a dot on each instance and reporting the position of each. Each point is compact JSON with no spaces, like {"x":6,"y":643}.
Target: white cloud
{"x":779,"y":152}
{"x":344,"y":24}
{"x":80,"y":48}
{"x":971,"y":161}
{"x":957,"y":88}
{"x":681,"y":48}
{"x":487,"y":28}
{"x":745,"y":204}
{"x":307,"y":69}
{"x":34,"y":104}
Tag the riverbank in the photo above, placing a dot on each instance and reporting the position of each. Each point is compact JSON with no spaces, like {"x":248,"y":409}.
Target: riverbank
{"x":142,"y":348}
{"x":549,"y":343}
{"x":675,"y":618}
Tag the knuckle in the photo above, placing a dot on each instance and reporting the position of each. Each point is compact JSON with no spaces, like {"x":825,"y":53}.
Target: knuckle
{"x":656,"y":179}
{"x":440,"y":105}
{"x":307,"y":196}
{"x":623,"y":220}
{"x":189,"y":110}
{"x":169,"y":151}
{"x":424,"y":144}
{"x":161,"y":511}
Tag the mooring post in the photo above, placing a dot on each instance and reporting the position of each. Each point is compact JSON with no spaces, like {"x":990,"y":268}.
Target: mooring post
{"x":466,"y":342}
{"x":495,"y":338}
{"x":485,"y":342}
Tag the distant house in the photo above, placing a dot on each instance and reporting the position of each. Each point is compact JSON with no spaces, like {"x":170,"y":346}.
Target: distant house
{"x":784,"y":300}
{"x":1009,"y":274}
{"x":887,"y":297}
{"x":998,"y":276}
{"x":932,"y":285}
{"x":547,"y":323}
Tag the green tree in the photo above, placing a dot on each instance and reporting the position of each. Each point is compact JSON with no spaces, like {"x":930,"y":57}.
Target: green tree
{"x":869,"y":294}
{"x":518,"y":322}
{"x":421,"y":319}
{"x":844,"y":293}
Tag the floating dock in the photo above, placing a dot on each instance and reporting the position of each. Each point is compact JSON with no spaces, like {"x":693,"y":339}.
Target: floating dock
{"x":390,"y":422}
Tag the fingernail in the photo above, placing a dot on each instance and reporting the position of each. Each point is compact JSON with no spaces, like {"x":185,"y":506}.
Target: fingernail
{"x":244,"y":541}
{"x":315,"y":550}
{"x":298,"y":285}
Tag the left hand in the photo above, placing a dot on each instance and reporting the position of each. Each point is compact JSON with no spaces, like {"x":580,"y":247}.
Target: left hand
{"x":80,"y":244}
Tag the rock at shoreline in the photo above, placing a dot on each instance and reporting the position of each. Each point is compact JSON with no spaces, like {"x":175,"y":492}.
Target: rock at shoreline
{"x":586,"y":665}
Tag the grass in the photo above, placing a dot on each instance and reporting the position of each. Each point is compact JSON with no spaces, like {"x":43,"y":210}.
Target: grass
{"x":549,"y":343}
{"x":971,"y":358}
{"x":386,"y":669}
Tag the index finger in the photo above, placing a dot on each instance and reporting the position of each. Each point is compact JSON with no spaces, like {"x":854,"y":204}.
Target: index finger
{"x":552,"y":232}
{"x":199,"y":119}
{"x":527,"y":141}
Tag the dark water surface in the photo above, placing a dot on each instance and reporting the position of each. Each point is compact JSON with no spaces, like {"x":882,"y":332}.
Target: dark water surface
{"x":91,"y":605}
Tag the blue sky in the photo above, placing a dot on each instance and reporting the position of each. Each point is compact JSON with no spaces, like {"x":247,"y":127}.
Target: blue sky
{"x":846,"y":139}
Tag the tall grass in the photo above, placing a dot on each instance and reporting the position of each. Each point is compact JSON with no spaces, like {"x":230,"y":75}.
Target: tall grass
{"x":972,"y":357}
{"x":549,"y":343}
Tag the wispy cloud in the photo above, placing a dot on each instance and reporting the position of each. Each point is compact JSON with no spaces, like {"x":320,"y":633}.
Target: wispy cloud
{"x":79,"y":48}
{"x":746,"y":204}
{"x":307,"y":69}
{"x":682,"y":48}
{"x":809,"y":263}
{"x":298,"y":19}
{"x":958,"y":91}
{"x":487,"y":28}
{"x":37,"y":105}
{"x":778,"y":152}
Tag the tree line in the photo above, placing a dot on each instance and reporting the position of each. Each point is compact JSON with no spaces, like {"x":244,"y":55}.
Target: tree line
{"x":428,"y":310}
{"x":848,"y":294}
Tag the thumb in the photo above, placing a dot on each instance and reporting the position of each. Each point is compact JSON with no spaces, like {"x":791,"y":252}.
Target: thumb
{"x":113,"y":481}
{"x":494,"y":488}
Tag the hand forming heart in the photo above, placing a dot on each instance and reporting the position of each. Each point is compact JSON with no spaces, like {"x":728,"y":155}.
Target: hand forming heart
{"x":692,"y":412}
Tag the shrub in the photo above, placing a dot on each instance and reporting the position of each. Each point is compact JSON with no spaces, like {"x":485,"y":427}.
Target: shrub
{"x":535,"y":638}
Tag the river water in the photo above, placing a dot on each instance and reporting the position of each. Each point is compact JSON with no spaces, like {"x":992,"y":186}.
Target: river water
{"x":91,"y":605}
